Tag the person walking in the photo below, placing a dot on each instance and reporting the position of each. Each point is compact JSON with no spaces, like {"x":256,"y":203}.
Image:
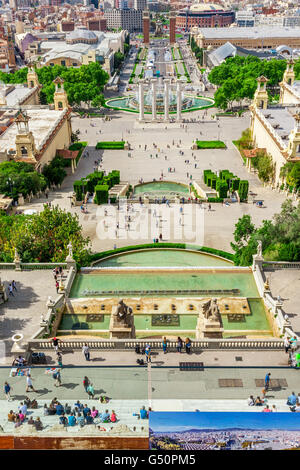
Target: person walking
{"x":7,"y":389}
{"x":59,"y":359}
{"x":86,"y":352}
{"x":148,"y":353}
{"x":165,"y":345}
{"x":57,"y":378}
{"x":267,"y":381}
{"x":14,"y":285}
{"x":29,"y":384}
{"x":188,"y":345}
{"x":86,"y":383}
{"x":90,"y":391}
{"x":10,"y":290}
{"x":55,"y":342}
{"x":179,"y":344}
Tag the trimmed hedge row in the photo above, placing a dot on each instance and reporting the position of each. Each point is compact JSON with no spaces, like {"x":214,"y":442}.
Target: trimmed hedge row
{"x":110,"y":145}
{"x":204,"y":249}
{"x":210,"y":144}
{"x":226,"y":181}
{"x":98,"y":183}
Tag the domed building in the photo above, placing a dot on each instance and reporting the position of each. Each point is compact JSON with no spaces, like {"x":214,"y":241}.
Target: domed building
{"x":81,"y":36}
{"x":204,"y":15}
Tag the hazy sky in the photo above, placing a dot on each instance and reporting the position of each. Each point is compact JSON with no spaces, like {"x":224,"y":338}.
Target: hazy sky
{"x":181,"y":421}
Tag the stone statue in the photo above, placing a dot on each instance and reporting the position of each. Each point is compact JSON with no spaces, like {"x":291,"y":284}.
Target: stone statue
{"x":259,"y":248}
{"x":70,"y":248}
{"x":123,"y":312}
{"x":211,"y":310}
{"x":17,"y":256}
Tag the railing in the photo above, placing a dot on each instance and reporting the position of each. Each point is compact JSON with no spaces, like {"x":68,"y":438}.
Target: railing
{"x":7,"y":266}
{"x":269,"y":265}
{"x":33,"y":266}
{"x":199,"y":345}
{"x":69,"y":280}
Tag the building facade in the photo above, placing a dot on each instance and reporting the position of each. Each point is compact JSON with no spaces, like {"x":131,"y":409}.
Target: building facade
{"x":206,"y":15}
{"x":277,"y":129}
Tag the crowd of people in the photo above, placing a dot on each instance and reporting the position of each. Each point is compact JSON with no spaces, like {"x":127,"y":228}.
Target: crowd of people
{"x":78,"y":414}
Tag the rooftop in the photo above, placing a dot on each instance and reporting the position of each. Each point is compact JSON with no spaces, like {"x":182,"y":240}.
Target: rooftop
{"x":42,"y":122}
{"x":15,"y":95}
{"x":249,"y":33}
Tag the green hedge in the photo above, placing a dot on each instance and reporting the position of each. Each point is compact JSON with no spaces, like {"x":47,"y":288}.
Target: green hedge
{"x":210,"y":144}
{"x":243,"y":189}
{"x":110,"y":145}
{"x":78,"y":190}
{"x":101,"y":194}
{"x":213,"y":251}
{"x":215,"y":199}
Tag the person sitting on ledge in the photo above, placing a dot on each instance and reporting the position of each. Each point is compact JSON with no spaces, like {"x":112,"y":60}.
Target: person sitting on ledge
{"x":31,"y":420}
{"x":258,"y":402}
{"x":78,"y":405}
{"x":63,"y":420}
{"x":33,"y":405}
{"x":104,"y":399}
{"x":11,"y":416}
{"x":38,"y":424}
{"x":267,"y":409}
{"x":89,"y":419}
{"x":105,"y":418}
{"x":59,"y":409}
{"x":292,"y":399}
{"x":113,"y":417}
{"x":20,"y":361}
{"x":80,"y":420}
{"x":143,"y":413}
{"x":94,"y":412}
{"x":71,"y":420}
{"x":52,"y":409}
{"x":21,"y":416}
{"x":251,"y":401}
{"x":18,"y":422}
{"x":86,"y":410}
{"x":67,"y":409}
{"x":46,"y":410}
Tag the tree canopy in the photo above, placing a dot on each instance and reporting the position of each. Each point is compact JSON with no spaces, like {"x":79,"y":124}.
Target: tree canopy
{"x":82,"y":84}
{"x":42,"y":237}
{"x":19,"y":177}
{"x":280,"y":236}
{"x":236,"y":77}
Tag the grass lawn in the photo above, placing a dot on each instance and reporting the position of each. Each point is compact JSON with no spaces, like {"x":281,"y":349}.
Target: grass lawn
{"x":210,"y":144}
{"x":111,"y":145}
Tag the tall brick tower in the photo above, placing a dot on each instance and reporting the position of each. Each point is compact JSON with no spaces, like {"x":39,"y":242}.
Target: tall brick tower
{"x":172,"y":27}
{"x":146,"y":27}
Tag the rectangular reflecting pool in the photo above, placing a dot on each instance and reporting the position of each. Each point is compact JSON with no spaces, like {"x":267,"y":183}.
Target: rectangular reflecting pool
{"x":87,"y":285}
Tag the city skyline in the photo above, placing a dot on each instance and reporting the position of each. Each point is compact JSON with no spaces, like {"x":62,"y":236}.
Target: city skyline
{"x":171,"y":421}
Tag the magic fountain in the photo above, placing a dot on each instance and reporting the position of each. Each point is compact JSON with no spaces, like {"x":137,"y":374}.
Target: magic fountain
{"x":158,"y":97}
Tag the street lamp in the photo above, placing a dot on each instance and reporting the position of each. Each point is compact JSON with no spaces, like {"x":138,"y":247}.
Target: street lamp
{"x":10,"y":183}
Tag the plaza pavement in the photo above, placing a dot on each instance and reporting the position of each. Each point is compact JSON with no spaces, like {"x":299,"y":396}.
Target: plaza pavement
{"x":155,"y":383}
{"x":218,"y":224}
{"x":22,"y":313}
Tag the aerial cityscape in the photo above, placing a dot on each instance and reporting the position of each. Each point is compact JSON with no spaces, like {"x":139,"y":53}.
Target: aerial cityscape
{"x":149,"y":224}
{"x":216,"y":431}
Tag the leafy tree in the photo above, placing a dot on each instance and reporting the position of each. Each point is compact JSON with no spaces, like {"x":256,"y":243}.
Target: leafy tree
{"x":20,"y":178}
{"x":42,"y":237}
{"x":82,"y":84}
{"x":55,"y":172}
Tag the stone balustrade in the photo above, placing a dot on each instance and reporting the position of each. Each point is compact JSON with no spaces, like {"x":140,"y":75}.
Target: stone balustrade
{"x":121,"y":345}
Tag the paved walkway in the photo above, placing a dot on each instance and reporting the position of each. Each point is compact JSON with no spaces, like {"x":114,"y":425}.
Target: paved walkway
{"x":166,"y":383}
{"x":22,"y":312}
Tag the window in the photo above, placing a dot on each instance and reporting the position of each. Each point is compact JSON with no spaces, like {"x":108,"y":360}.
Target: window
{"x":24,"y":151}
{"x":63,"y":63}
